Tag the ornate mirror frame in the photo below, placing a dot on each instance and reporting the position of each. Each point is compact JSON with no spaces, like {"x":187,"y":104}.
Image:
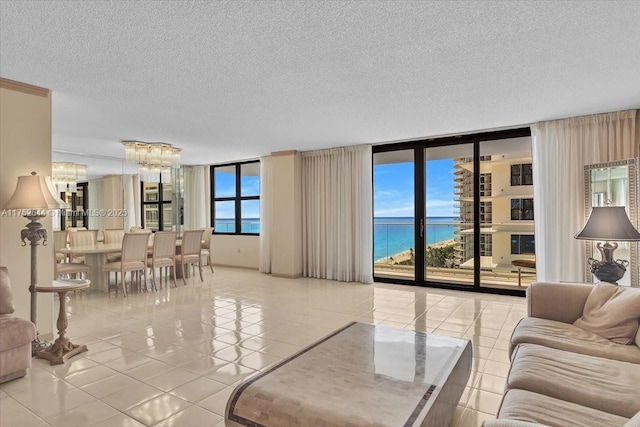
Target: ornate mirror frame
{"x":632,"y":210}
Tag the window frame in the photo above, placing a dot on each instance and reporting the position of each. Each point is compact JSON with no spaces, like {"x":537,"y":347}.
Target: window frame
{"x":237,"y":199}
{"x":522,"y":243}
{"x":158,"y":203}
{"x":521,"y":175}
{"x":518,"y":214}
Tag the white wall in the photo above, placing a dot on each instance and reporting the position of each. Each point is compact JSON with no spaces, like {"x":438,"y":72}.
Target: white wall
{"x":25,"y":146}
{"x":236,"y":251}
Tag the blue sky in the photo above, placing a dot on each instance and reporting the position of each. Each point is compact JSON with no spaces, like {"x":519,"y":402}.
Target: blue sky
{"x":226,"y":187}
{"x":393,"y":189}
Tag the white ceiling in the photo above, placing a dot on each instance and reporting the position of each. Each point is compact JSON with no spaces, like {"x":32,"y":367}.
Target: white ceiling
{"x":236,"y":80}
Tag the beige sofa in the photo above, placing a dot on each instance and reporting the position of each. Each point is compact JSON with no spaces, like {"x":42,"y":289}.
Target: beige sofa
{"x":15,"y":335}
{"x":564,"y":376}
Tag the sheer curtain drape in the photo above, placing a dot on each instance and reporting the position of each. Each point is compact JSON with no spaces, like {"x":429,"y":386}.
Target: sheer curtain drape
{"x":265,"y":215}
{"x":195,"y":211}
{"x":561,"y":149}
{"x":337,"y":213}
{"x":96,"y":190}
{"x":131,"y":201}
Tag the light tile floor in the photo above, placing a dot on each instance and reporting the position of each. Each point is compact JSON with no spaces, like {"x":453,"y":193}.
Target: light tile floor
{"x":171,"y":358}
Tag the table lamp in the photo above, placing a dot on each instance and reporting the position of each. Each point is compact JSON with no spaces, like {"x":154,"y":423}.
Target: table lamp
{"x":608,"y":223}
{"x":33,"y":198}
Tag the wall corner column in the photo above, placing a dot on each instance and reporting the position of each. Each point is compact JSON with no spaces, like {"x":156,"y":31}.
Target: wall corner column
{"x":286,"y":214}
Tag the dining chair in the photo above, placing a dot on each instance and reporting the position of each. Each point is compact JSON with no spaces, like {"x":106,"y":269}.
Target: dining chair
{"x":191,"y":252}
{"x":134,"y":259}
{"x":72,"y":269}
{"x":113,"y":236}
{"x":59,"y":242}
{"x":163,"y":255}
{"x":81,"y":238}
{"x":206,"y":246}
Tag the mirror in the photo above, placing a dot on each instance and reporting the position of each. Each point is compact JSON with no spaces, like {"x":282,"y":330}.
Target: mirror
{"x":110,"y":198}
{"x":614,"y":184}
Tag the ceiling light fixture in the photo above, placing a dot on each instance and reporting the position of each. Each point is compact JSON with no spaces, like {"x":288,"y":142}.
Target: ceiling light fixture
{"x":67,"y":175}
{"x":155,"y":159}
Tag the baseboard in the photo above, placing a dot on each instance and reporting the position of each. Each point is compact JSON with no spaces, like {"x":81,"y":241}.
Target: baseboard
{"x":287,"y":276}
{"x":236,"y":266}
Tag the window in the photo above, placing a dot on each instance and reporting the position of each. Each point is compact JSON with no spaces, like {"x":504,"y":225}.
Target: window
{"x":521,"y":209}
{"x":157,"y":213}
{"x":236,"y":198}
{"x":522,"y":174}
{"x":75,"y":216}
{"x":523,"y":244}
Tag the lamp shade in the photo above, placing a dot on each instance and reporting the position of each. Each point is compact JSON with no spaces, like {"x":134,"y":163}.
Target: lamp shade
{"x":608,"y":223}
{"x":35,"y":192}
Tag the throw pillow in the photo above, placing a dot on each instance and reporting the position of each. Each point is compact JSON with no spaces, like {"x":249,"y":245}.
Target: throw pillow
{"x":613,"y":312}
{"x":6,"y":297}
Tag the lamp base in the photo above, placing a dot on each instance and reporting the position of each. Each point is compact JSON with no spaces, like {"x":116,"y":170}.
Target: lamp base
{"x":608,"y":271}
{"x":38,"y":345}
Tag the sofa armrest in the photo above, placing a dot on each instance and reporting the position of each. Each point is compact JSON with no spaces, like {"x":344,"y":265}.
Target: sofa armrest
{"x":563,"y":302}
{"x":510,"y":423}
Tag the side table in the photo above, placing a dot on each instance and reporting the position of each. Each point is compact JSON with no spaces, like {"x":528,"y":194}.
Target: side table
{"x":523,"y":263}
{"x":62,"y":349}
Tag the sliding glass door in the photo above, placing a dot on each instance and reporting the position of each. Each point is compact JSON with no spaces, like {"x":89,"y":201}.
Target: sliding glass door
{"x":455,"y":212}
{"x":394,"y":239}
{"x":449,"y":215}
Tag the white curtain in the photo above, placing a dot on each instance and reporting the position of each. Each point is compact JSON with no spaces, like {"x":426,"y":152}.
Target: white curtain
{"x":337,"y":211}
{"x":265,"y":214}
{"x":131,"y":201}
{"x":561,"y":149}
{"x":195,"y":211}
{"x":96,"y":190}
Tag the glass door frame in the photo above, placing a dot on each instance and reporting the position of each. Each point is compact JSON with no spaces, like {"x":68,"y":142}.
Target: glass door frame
{"x":419,"y":147}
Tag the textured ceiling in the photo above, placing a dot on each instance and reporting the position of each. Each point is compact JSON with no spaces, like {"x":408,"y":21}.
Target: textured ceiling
{"x":235,"y":80}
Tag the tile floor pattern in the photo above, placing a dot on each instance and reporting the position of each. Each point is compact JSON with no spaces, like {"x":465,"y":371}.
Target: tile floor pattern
{"x":171,"y":358}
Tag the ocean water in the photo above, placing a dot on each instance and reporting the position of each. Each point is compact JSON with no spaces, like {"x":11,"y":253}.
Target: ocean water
{"x":394,"y":235}
{"x":390,"y":235}
{"x":228,"y":225}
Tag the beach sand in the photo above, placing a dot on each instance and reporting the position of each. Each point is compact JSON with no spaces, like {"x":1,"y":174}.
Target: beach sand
{"x":406,"y":255}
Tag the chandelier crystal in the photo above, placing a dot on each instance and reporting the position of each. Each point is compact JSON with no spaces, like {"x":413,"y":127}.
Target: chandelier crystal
{"x":67,"y":175}
{"x":155,"y":159}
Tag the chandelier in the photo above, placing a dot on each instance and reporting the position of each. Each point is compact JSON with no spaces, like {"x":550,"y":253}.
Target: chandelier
{"x":67,"y":175}
{"x":155,"y":159}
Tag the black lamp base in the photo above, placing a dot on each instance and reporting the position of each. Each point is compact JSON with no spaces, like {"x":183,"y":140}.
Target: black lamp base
{"x":608,"y":271}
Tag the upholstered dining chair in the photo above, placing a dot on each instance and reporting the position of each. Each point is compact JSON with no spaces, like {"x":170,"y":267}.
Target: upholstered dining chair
{"x":191,"y":252}
{"x":134,"y":259}
{"x":206,"y":246}
{"x":163,"y":255}
{"x":81,"y":238}
{"x":59,"y":242}
{"x":63,"y":269}
{"x":111,"y":237}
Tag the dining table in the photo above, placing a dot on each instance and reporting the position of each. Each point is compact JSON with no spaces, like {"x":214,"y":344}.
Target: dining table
{"x":95,"y":256}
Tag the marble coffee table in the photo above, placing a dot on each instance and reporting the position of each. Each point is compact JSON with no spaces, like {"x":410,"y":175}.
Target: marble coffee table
{"x":360,"y":375}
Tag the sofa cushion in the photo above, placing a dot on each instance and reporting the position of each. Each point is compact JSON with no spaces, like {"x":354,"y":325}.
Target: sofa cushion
{"x":522,"y":405}
{"x":608,"y":385}
{"x":613,"y":312}
{"x":15,"y":332}
{"x":564,"y":336}
{"x":6,"y":297}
